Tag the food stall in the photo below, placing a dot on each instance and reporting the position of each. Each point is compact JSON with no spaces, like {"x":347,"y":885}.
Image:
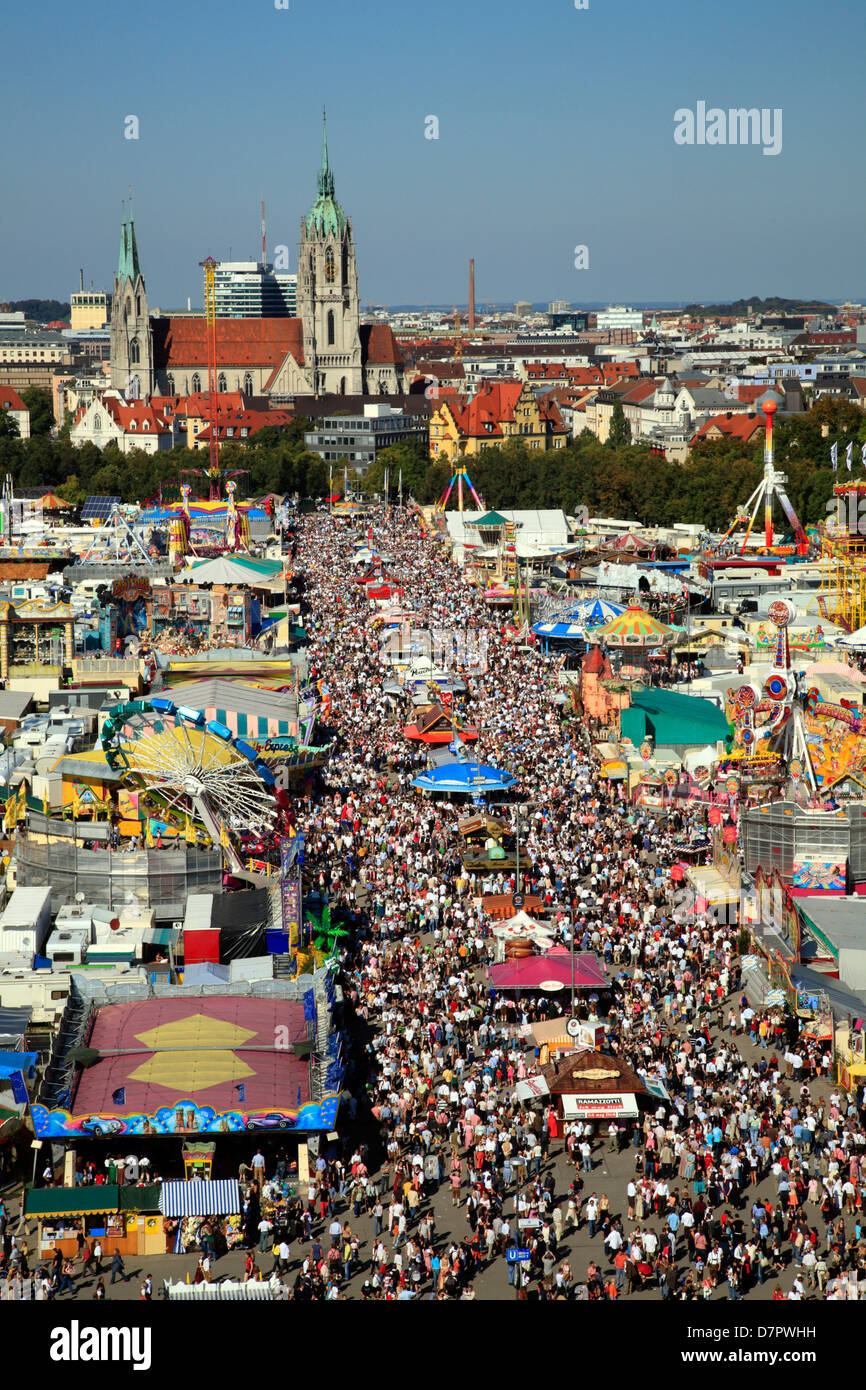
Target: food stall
{"x":124,"y":1219}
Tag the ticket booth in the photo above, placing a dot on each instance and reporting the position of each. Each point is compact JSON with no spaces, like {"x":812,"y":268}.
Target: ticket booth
{"x":198,"y":1161}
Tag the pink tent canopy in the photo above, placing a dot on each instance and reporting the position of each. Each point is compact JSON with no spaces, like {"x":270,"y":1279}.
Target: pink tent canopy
{"x":530,"y":971}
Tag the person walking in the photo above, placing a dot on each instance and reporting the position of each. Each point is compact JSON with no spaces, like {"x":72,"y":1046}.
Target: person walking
{"x":117,"y":1267}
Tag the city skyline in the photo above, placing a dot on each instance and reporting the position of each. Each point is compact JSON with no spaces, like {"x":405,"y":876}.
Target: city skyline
{"x":586,"y":155}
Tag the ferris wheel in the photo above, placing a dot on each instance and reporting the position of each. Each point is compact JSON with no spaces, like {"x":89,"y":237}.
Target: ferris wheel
{"x":194,"y":770}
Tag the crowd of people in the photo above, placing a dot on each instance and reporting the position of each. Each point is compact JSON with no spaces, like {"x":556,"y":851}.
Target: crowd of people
{"x":745,"y":1169}
{"x":440,"y":1053}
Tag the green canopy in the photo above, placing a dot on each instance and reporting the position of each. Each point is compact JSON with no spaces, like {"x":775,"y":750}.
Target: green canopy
{"x":670,"y":718}
{"x":72,"y":1201}
{"x":489,"y":519}
{"x":140,"y":1198}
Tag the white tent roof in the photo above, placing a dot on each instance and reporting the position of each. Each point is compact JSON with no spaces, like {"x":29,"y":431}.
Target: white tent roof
{"x":697,"y":757}
{"x":225,"y":570}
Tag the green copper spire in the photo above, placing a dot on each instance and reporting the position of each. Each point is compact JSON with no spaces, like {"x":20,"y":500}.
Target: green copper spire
{"x":127,"y":260}
{"x":133,"y":244}
{"x":122,"y":253}
{"x":326,"y":215}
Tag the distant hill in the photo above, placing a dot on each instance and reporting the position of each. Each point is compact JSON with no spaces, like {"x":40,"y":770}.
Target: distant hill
{"x":774,"y":305}
{"x":42,"y":310}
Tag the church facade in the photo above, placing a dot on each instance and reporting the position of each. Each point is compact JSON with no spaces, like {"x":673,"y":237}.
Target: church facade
{"x":325,"y":350}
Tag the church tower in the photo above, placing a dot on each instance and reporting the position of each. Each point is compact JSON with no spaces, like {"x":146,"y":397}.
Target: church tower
{"x":328,"y":303}
{"x":131,"y":337}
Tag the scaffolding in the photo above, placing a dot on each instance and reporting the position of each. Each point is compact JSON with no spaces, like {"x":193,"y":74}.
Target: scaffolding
{"x":843,"y":561}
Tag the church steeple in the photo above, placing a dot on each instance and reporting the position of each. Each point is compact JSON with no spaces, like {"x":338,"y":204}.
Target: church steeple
{"x":128,"y":267}
{"x":133,"y":244}
{"x":326,"y":215}
{"x":122,"y":253}
{"x":131,"y":336}
{"x":326,"y":177}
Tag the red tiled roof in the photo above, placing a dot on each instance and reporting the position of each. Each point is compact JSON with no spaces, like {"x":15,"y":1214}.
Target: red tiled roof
{"x":749,"y":394}
{"x":10,"y":400}
{"x":182,"y":342}
{"x":378,"y":344}
{"x":740,"y":427}
{"x":637,"y":394}
{"x":132,"y":418}
{"x":196,"y":404}
{"x":252,"y":420}
{"x":494,"y":405}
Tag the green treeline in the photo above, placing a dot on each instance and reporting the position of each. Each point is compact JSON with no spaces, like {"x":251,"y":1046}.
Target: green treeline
{"x":620,"y":480}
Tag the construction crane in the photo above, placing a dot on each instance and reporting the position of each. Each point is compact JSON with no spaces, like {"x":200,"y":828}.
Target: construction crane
{"x":213,"y":471}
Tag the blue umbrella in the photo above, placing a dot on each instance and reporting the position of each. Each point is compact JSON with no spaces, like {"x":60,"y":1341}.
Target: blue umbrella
{"x":464,"y":777}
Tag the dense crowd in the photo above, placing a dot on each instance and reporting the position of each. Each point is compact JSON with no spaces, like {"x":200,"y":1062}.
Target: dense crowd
{"x":748,"y":1098}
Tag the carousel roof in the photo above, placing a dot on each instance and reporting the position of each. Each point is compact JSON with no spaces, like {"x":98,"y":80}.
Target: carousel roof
{"x":594,"y":611}
{"x":634,"y":628}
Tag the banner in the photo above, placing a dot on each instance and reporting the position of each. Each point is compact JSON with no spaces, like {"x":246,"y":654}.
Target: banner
{"x":596,"y":1107}
{"x":290,"y":889}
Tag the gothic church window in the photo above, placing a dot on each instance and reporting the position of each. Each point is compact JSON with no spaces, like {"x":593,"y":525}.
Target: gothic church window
{"x":221,"y":382}
{"x":330,"y":268}
{"x":330,"y":328}
{"x":196,"y":382}
{"x":248,"y":385}
{"x":134,"y":351}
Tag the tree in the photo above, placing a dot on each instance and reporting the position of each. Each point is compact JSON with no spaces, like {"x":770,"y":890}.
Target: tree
{"x":8,"y":426}
{"x":38,"y":402}
{"x":620,"y":429}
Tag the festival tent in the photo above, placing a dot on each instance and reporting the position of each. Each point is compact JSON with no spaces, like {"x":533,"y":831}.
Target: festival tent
{"x":592,"y":612}
{"x":464,"y":777}
{"x":673,"y":719}
{"x":853,"y":639}
{"x":225,"y":1291}
{"x":634,"y":628}
{"x":558,"y":630}
{"x":433,"y":724}
{"x":219,"y":1198}
{"x":233,"y":569}
{"x":531,"y":972}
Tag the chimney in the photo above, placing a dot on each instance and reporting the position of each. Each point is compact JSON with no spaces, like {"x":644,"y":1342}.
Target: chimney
{"x":81,"y":280}
{"x":472,"y":295}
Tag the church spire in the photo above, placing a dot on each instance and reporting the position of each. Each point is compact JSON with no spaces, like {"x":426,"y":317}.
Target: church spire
{"x":122,"y":253}
{"x":326,"y":216}
{"x":133,"y":244}
{"x":326,"y":178}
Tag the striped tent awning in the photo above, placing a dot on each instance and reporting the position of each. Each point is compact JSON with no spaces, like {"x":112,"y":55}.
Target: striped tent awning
{"x":219,"y":1198}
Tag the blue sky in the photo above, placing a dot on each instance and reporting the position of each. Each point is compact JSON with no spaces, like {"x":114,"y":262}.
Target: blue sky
{"x":555,"y":130}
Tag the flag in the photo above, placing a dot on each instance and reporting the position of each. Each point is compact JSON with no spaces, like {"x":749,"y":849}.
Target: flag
{"x":9,"y":818}
{"x":118,"y":1097}
{"x":848,"y":454}
{"x":22,"y":801}
{"x":834,"y":456}
{"x":188,"y":831}
{"x":148,"y":834}
{"x":224,"y":835}
{"x":46,"y":810}
{"x":76,"y":804}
